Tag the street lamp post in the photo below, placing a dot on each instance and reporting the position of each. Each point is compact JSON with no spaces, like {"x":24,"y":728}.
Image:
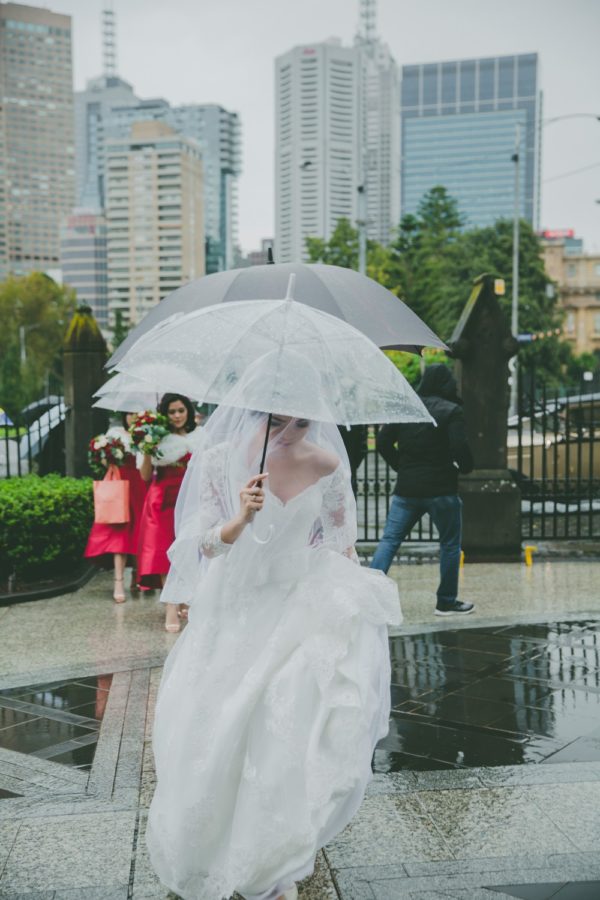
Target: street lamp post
{"x":516,"y":237}
{"x":514,"y":320}
{"x":361,"y":223}
{"x":23,"y":329}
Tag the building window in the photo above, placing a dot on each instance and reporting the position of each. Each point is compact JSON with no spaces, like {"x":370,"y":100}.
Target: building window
{"x":571,"y":270}
{"x":596,"y":323}
{"x":597,"y":268}
{"x":570,"y":324}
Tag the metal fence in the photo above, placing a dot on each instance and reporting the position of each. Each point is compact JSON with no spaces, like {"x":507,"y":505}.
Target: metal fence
{"x":36,"y":446}
{"x":554,"y":452}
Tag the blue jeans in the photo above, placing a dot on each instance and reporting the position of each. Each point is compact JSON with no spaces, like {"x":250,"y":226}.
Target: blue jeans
{"x":446,"y":515}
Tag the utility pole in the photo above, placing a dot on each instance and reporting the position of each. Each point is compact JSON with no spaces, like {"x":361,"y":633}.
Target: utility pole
{"x":514,"y":321}
{"x":361,"y":223}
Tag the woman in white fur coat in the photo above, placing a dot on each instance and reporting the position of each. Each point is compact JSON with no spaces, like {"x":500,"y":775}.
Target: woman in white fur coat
{"x":165,"y":471}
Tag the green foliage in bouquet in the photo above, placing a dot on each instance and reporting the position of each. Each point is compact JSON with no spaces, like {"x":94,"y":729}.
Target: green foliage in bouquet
{"x":147,"y":431}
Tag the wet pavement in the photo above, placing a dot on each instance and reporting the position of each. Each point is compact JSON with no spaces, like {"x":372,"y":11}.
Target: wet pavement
{"x":487,"y":786}
{"x":494,"y":696}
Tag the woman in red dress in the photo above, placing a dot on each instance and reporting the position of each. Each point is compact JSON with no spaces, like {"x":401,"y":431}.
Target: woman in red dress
{"x":165,"y":473}
{"x":121,"y":541}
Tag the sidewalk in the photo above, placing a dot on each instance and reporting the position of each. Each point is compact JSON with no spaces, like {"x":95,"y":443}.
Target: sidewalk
{"x":489,"y":779}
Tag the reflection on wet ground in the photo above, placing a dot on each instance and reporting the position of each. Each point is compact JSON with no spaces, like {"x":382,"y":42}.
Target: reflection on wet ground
{"x":58,"y":721}
{"x":494,"y":696}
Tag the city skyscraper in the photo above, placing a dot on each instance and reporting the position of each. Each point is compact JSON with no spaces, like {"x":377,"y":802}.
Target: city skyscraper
{"x":154,"y":215}
{"x":317,"y":144}
{"x":83,"y":260}
{"x":380,"y":123}
{"x":459,"y":125}
{"x":337,"y":139}
{"x":93,"y":108}
{"x":37,"y":180}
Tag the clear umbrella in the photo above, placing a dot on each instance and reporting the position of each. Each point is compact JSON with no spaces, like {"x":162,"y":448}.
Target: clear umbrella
{"x":307,"y":363}
{"x":123,"y":393}
{"x":343,"y":293}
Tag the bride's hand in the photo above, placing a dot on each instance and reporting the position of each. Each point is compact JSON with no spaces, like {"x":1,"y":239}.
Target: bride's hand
{"x":252,"y":498}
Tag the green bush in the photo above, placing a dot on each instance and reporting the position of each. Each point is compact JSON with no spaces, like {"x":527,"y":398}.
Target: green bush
{"x":44,"y":524}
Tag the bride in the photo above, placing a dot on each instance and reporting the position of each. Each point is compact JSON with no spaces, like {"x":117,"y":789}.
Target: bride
{"x":274,"y":697}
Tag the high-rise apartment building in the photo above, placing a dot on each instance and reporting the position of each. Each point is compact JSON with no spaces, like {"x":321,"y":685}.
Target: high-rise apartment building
{"x":37,"y":178}
{"x":154,"y":213}
{"x":108,"y":108}
{"x":460,"y":122}
{"x":317,"y":143}
{"x":218,"y":132}
{"x":83,"y":260}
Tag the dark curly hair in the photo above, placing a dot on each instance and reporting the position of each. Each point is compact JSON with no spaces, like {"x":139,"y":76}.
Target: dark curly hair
{"x":167,"y":399}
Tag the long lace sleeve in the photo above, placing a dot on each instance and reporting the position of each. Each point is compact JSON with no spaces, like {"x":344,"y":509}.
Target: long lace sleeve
{"x":211,"y":512}
{"x":338,"y":515}
{"x":199,"y":515}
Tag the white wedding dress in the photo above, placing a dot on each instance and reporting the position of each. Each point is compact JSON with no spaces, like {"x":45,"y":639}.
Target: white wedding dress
{"x":274,"y":696}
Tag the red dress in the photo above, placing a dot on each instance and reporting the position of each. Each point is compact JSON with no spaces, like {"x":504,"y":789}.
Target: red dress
{"x":124,"y":538}
{"x":157,"y":531}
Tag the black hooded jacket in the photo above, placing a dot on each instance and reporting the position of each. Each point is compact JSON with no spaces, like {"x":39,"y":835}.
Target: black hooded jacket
{"x":428,"y":459}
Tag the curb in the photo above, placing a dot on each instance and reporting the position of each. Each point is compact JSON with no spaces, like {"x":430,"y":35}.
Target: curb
{"x":67,"y":587}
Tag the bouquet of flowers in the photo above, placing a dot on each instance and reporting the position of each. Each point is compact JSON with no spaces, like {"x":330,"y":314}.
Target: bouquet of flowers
{"x":105,"y":451}
{"x":147,"y":431}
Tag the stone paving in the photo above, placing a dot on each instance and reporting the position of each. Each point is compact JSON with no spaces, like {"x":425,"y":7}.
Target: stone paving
{"x":78,"y":679}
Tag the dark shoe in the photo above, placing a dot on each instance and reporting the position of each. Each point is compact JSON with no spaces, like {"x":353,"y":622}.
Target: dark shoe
{"x":450,"y":609}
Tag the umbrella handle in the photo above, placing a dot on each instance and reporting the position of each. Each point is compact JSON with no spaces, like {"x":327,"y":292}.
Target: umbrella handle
{"x":258,"y":540}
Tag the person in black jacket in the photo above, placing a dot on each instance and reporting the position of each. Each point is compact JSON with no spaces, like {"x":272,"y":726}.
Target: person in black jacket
{"x":427,"y":460}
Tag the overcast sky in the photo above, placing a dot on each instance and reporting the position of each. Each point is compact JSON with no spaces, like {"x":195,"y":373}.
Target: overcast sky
{"x":222,"y":51}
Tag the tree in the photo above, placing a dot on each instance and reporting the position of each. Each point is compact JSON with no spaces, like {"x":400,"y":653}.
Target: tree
{"x":120,"y":330}
{"x":421,"y":260}
{"x":34,"y":314}
{"x":342,"y":248}
{"x":490,"y":250}
{"x":431,"y":265}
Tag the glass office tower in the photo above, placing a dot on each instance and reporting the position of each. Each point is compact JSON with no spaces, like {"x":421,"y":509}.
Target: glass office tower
{"x":459,"y":124}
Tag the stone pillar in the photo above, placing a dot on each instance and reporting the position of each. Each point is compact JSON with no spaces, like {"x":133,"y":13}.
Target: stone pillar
{"x":482,"y":345}
{"x":84,"y":356}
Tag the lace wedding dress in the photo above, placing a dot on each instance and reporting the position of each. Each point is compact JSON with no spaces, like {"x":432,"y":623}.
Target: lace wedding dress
{"x":277,"y":692}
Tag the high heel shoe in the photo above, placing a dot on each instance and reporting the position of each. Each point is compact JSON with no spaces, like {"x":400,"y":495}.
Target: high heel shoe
{"x":119,"y":595}
{"x":171,"y":627}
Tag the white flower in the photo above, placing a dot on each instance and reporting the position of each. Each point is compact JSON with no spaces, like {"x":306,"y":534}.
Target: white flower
{"x":148,"y":439}
{"x":102,"y":442}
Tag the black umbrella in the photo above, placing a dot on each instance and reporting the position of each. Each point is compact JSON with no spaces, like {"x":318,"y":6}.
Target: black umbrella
{"x":344,"y":293}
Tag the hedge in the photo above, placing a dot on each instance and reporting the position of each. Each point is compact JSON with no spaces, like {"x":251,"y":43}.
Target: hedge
{"x":44,"y":524}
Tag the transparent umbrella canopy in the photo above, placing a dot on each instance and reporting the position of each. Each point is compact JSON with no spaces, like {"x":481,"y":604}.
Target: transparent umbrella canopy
{"x":296,"y":361}
{"x":123,"y":393}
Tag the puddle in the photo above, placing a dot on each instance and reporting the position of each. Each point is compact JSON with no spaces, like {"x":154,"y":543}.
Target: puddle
{"x":59,"y":721}
{"x":493,"y":697}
